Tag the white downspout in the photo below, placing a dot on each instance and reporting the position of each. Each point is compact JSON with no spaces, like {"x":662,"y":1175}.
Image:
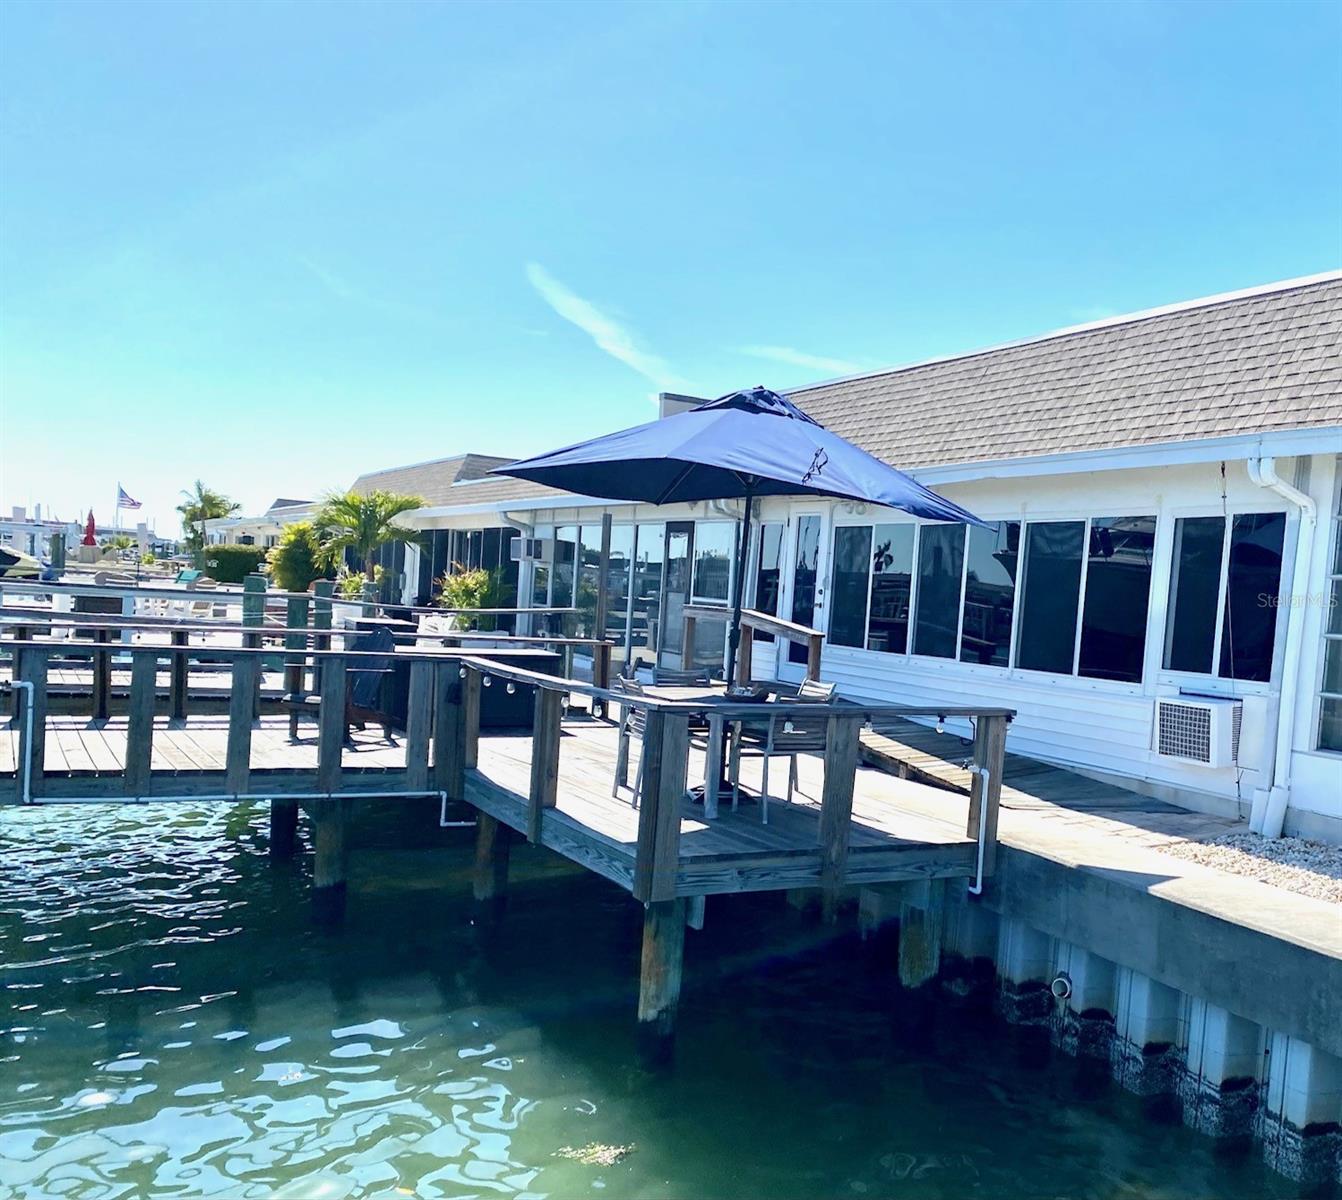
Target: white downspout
{"x":1269,"y":812}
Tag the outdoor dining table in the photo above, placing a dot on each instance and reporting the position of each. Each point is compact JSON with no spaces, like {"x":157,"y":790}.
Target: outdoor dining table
{"x":711,"y":697}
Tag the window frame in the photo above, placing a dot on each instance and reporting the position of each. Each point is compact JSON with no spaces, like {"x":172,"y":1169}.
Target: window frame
{"x":1213,"y":679}
{"x":1332,"y":576}
{"x":1164,"y":520}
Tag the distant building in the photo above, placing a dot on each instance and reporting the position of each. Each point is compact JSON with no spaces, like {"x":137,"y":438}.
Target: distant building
{"x":263,"y":530}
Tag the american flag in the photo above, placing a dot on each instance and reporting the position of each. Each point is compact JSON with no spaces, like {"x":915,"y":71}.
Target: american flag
{"x":123,"y":500}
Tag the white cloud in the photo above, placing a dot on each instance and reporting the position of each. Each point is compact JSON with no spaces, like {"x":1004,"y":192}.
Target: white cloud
{"x":798,"y":358}
{"x":607,"y":333}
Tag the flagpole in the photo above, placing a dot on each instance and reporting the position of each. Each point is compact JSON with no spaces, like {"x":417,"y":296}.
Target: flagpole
{"x":116,"y":511}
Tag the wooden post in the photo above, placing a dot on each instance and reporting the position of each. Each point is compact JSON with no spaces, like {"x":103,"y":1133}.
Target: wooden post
{"x":418,"y":725}
{"x":660,"y":969}
{"x":601,"y":655}
{"x":602,"y":583}
{"x":745,"y":660}
{"x":449,"y":731}
{"x":241,"y":714}
{"x":102,"y":676}
{"x":666,"y":742}
{"x":813,"y":647}
{"x":283,"y":829}
{"x":687,"y":645}
{"x":470,"y":716}
{"x":985,"y":794}
{"x":34,"y":672}
{"x":140,"y":725}
{"x":492,"y":842}
{"x":836,"y":808}
{"x":178,"y":668}
{"x":921,"y":919}
{"x":322,"y":592}
{"x":331,"y":727}
{"x":329,"y":854}
{"x":295,"y":617}
{"x":253,"y":614}
{"x":544,"y":758}
{"x":22,"y":633}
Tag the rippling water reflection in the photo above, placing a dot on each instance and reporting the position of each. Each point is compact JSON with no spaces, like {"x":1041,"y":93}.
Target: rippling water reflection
{"x":172,"y":1025}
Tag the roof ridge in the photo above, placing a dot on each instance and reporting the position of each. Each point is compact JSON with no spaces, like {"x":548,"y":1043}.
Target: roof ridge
{"x":1147,"y":314}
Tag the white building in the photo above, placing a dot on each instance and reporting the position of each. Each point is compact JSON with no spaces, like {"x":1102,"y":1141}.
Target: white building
{"x":1160,"y":597}
{"x":263,"y":530}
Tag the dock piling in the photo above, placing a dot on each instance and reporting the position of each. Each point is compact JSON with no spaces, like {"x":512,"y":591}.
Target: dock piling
{"x":660,"y":970}
{"x":493,"y":841}
{"x":329,"y":818}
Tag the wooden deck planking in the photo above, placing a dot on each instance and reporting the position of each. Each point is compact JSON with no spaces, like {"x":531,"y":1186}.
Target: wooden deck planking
{"x":735,"y":852}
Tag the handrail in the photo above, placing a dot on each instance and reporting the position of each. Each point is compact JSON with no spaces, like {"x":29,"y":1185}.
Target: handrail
{"x":233,"y":594}
{"x":767,"y":623}
{"x":13,"y":617}
{"x":728,"y":710}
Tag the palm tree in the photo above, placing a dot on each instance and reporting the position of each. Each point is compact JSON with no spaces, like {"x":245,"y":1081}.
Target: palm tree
{"x":202,"y":504}
{"x":362,"y":523}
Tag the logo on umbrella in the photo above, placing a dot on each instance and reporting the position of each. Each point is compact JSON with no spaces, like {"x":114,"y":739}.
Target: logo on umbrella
{"x":818,"y":464}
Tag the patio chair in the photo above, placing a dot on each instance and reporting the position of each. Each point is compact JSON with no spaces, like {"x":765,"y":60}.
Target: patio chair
{"x":633,"y":722}
{"x":670,"y":677}
{"x":770,"y":739}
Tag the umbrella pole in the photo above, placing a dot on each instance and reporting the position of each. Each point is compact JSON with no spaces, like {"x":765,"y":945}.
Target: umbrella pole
{"x":734,"y":638}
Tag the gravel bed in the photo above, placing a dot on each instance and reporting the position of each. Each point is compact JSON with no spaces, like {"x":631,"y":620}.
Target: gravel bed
{"x":1310,"y":868}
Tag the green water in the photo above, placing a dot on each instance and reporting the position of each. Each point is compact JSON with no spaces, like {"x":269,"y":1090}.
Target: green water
{"x":173,"y":1026}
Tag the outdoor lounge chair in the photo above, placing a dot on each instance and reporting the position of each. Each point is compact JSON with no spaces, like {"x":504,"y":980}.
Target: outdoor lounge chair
{"x":363,"y":700}
{"x":772,"y":739}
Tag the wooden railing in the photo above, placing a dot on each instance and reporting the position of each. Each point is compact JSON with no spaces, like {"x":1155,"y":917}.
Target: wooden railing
{"x":442,"y":740}
{"x":751,"y":621}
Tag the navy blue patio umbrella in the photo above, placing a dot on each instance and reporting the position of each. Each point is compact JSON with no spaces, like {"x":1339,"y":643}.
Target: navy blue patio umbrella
{"x":742,"y":445}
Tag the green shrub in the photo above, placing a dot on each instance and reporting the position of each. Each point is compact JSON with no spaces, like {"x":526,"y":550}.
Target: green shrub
{"x":475,"y":588}
{"x":296,"y":559}
{"x":232,"y":564}
{"x":350,"y":584}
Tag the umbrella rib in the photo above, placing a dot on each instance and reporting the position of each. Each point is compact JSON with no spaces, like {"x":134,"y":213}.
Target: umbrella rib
{"x":666,"y":493}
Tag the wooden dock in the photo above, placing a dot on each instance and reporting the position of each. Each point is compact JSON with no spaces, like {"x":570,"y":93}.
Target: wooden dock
{"x":550,"y":783}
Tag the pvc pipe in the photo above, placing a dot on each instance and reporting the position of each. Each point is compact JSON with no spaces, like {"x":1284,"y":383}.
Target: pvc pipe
{"x":28,"y":738}
{"x":1268,"y":814}
{"x":976,"y":888}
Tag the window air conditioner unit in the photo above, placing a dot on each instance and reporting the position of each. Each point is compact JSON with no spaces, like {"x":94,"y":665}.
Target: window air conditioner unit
{"x":525,"y":549}
{"x":1199,"y":729}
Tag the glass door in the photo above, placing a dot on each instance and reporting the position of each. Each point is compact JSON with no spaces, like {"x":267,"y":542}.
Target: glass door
{"x":675,"y":592}
{"x":805,"y":600}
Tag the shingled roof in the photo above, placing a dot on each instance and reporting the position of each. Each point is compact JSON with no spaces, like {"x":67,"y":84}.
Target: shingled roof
{"x":1250,"y":362}
{"x":431,"y":480}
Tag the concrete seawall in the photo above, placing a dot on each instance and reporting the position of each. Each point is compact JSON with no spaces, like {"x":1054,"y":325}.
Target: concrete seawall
{"x":1237,"y":1024}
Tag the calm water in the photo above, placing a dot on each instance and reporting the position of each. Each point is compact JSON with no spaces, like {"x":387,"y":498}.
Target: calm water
{"x":172,"y":1026}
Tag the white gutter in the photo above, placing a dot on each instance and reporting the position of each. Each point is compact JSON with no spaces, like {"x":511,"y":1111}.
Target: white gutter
{"x":1268,"y":814}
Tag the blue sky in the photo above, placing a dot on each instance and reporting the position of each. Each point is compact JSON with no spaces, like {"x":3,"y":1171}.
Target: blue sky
{"x":272,"y":245}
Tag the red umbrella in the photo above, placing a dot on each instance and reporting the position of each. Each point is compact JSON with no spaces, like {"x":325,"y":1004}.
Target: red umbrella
{"x":90,"y":531}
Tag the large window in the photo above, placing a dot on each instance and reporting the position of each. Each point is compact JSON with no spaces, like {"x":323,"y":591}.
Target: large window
{"x":713,"y":546}
{"x":1330,"y":700}
{"x":649,"y":552}
{"x":891,"y":587}
{"x":619,"y":575}
{"x":565,"y":561}
{"x":768,"y":572}
{"x":852,"y":580}
{"x":941,"y":557}
{"x":990,"y":594}
{"x":1224,"y":595}
{"x":1118,"y":589}
{"x":1050,"y":591}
